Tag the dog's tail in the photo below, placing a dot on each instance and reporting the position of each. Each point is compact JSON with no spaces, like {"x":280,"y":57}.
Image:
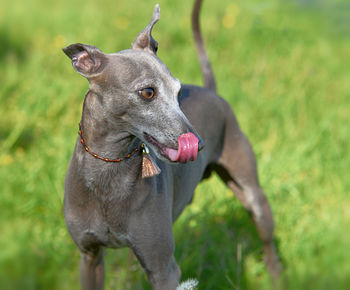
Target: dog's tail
{"x":207,"y":72}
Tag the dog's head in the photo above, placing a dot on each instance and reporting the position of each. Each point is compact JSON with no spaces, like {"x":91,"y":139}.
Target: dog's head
{"x":140,"y":93}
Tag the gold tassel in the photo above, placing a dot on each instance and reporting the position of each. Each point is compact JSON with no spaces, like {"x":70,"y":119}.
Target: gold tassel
{"x":149,"y":167}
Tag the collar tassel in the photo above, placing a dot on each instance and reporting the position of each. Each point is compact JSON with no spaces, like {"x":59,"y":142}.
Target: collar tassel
{"x":149,"y":167}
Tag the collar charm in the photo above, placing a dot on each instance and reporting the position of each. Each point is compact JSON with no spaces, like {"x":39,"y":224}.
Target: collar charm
{"x":149,"y":167}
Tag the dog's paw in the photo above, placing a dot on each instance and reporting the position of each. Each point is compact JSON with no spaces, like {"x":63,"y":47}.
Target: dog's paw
{"x":190,"y":284}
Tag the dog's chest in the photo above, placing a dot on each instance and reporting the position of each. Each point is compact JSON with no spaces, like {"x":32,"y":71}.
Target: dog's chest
{"x":103,"y":235}
{"x":115,"y":219}
{"x":105,"y":223}
{"x":117,"y":239}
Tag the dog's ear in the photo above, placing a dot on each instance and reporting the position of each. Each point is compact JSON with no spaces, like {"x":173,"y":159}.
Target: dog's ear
{"x":86,"y":59}
{"x":144,"y":40}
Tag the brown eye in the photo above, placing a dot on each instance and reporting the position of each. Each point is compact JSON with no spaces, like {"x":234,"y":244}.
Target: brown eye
{"x":147,"y":93}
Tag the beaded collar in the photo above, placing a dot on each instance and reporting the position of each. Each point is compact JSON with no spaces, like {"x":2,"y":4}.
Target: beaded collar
{"x":87,"y":149}
{"x":149,"y":167}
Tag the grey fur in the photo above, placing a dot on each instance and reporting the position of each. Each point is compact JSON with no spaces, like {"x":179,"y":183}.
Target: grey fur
{"x":109,"y":204}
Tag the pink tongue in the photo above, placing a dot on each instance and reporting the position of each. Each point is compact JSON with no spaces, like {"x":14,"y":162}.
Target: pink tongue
{"x":188,"y":149}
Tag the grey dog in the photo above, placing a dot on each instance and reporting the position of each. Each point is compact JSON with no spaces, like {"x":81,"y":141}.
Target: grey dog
{"x":136,"y":115}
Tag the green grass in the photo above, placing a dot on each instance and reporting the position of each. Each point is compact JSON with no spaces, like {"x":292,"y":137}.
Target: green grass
{"x":284,"y":68}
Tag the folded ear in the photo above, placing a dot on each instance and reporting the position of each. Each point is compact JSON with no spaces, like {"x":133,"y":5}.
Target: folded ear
{"x":86,"y":59}
{"x":144,"y":40}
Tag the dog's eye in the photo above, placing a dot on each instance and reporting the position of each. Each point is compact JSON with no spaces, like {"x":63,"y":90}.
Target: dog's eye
{"x":147,"y":93}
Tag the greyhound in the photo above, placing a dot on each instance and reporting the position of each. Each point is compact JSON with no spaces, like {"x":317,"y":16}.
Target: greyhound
{"x":140,"y":154}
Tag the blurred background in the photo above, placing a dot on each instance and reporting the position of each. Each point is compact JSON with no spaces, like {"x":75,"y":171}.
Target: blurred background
{"x":284,"y":66}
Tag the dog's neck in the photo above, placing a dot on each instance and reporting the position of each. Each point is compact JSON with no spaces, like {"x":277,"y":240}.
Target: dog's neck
{"x":104,"y":136}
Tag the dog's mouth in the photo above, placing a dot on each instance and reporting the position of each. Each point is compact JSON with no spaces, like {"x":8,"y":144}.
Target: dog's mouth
{"x":187,"y":148}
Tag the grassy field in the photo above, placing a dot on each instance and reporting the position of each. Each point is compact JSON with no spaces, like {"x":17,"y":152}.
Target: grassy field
{"x":284,"y":66}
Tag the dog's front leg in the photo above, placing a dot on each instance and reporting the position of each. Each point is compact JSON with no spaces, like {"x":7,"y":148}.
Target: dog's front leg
{"x":167,"y":278}
{"x":153,"y":244}
{"x":92,"y":270}
{"x":162,"y":270}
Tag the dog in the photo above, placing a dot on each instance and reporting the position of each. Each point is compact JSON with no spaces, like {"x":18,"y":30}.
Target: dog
{"x":145,"y":142}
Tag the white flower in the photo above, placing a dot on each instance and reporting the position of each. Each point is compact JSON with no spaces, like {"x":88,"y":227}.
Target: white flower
{"x":190,"y":284}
